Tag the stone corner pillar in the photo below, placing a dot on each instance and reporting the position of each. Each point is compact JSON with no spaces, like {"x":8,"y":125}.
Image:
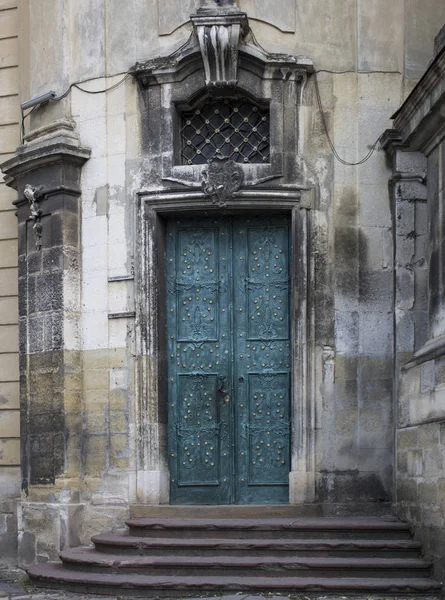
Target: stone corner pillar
{"x":46,"y":173}
{"x":408,"y":193}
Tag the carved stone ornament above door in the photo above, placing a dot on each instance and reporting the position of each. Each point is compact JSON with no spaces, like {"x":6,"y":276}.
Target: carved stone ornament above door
{"x":219,"y":31}
{"x":221,"y":179}
{"x":222,"y":63}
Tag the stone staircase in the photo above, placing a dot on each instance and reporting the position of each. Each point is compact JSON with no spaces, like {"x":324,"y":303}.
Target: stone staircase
{"x":167,"y":556}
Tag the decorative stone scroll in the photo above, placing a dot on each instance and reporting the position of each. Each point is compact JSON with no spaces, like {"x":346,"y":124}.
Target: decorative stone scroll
{"x":32,"y":194}
{"x":221,"y":179}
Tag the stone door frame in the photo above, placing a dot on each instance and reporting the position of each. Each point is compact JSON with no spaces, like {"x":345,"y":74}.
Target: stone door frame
{"x":152,"y":475}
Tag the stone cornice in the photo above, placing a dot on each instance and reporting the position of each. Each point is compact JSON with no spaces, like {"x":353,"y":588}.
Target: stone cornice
{"x":188,"y":58}
{"x":29,"y":159}
{"x":432,"y":349}
{"x":391,"y":140}
{"x":421,"y":118}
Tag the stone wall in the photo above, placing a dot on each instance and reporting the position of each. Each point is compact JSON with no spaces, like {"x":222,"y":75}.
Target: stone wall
{"x":9,"y":358}
{"x":421,"y":457}
{"x":384,"y":48}
{"x":418,"y":150}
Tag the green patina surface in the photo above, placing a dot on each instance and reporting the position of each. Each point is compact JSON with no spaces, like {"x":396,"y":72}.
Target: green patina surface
{"x":229,"y":360}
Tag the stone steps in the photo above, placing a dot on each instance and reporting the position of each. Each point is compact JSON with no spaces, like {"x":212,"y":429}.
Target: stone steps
{"x":91,"y":561}
{"x":53,"y":575}
{"x":190,"y":556}
{"x":270,"y":528}
{"x":126,"y":544}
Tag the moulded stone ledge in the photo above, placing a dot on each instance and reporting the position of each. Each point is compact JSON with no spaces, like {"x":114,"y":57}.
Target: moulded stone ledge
{"x":433,"y":348}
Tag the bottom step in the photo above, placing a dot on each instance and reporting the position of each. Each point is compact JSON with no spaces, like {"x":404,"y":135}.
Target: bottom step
{"x":55,"y":575}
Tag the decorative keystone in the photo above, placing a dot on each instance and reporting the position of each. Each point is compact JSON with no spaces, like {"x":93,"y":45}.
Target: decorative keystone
{"x":220,"y":27}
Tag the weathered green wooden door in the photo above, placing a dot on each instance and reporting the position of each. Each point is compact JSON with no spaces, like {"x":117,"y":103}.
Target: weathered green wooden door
{"x":229,"y":360}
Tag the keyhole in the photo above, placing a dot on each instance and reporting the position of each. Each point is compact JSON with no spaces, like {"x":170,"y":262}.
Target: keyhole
{"x":241,"y":379}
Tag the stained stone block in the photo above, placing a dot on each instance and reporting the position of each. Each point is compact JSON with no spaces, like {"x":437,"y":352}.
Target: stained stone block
{"x":8,"y":77}
{"x":380,"y":26}
{"x":96,"y":421}
{"x":9,"y":367}
{"x":8,"y":253}
{"x":283,"y":16}
{"x":118,"y":421}
{"x":120,"y":453}
{"x":407,"y":490}
{"x":346,"y":205}
{"x":407,"y":438}
{"x":415,"y":463}
{"x":9,"y":338}
{"x":27,"y":549}
{"x":351,"y":486}
{"x":175,"y":13}
{"x":442,"y":434}
{"x":375,"y":431}
{"x":9,"y":424}
{"x":375,"y":333}
{"x":87,"y":18}
{"x":402,"y":463}
{"x":347,"y":332}
{"x":96,"y":454}
{"x":421,"y":26}
{"x":9,"y":395}
{"x":427,"y":376}
{"x":9,"y":452}
{"x":345,"y":367}
{"x":406,"y":332}
{"x":332,"y":43}
{"x":346,"y":393}
{"x":375,"y":289}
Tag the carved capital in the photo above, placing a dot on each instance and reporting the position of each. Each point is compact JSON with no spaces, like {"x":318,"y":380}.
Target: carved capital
{"x":222,"y":178}
{"x":219,"y":32}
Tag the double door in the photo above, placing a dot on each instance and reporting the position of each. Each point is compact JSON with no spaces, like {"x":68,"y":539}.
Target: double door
{"x":228,"y":307}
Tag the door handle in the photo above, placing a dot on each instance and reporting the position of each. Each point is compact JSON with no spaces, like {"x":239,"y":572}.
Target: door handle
{"x":222,"y":385}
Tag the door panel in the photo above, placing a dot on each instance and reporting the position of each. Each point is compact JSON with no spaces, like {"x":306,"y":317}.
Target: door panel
{"x":229,"y":360}
{"x":262,"y":359}
{"x":200,"y":420}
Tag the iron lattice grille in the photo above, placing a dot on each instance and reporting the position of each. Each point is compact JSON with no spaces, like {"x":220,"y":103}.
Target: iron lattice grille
{"x":238,"y":130}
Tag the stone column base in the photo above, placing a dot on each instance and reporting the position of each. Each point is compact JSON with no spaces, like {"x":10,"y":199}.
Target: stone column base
{"x":301,"y":487}
{"x":45,"y":529}
{"x":153,"y":487}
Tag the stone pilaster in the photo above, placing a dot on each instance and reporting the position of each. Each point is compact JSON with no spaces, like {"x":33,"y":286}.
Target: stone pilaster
{"x":46,"y":175}
{"x":410,"y":222}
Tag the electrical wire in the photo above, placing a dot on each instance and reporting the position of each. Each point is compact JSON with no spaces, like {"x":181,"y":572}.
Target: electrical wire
{"x":323,"y":114}
{"x":127,"y":74}
{"x":103,"y":91}
{"x":22,"y":128}
{"x":65,"y":94}
{"x":77,"y":85}
{"x":328,"y":137}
